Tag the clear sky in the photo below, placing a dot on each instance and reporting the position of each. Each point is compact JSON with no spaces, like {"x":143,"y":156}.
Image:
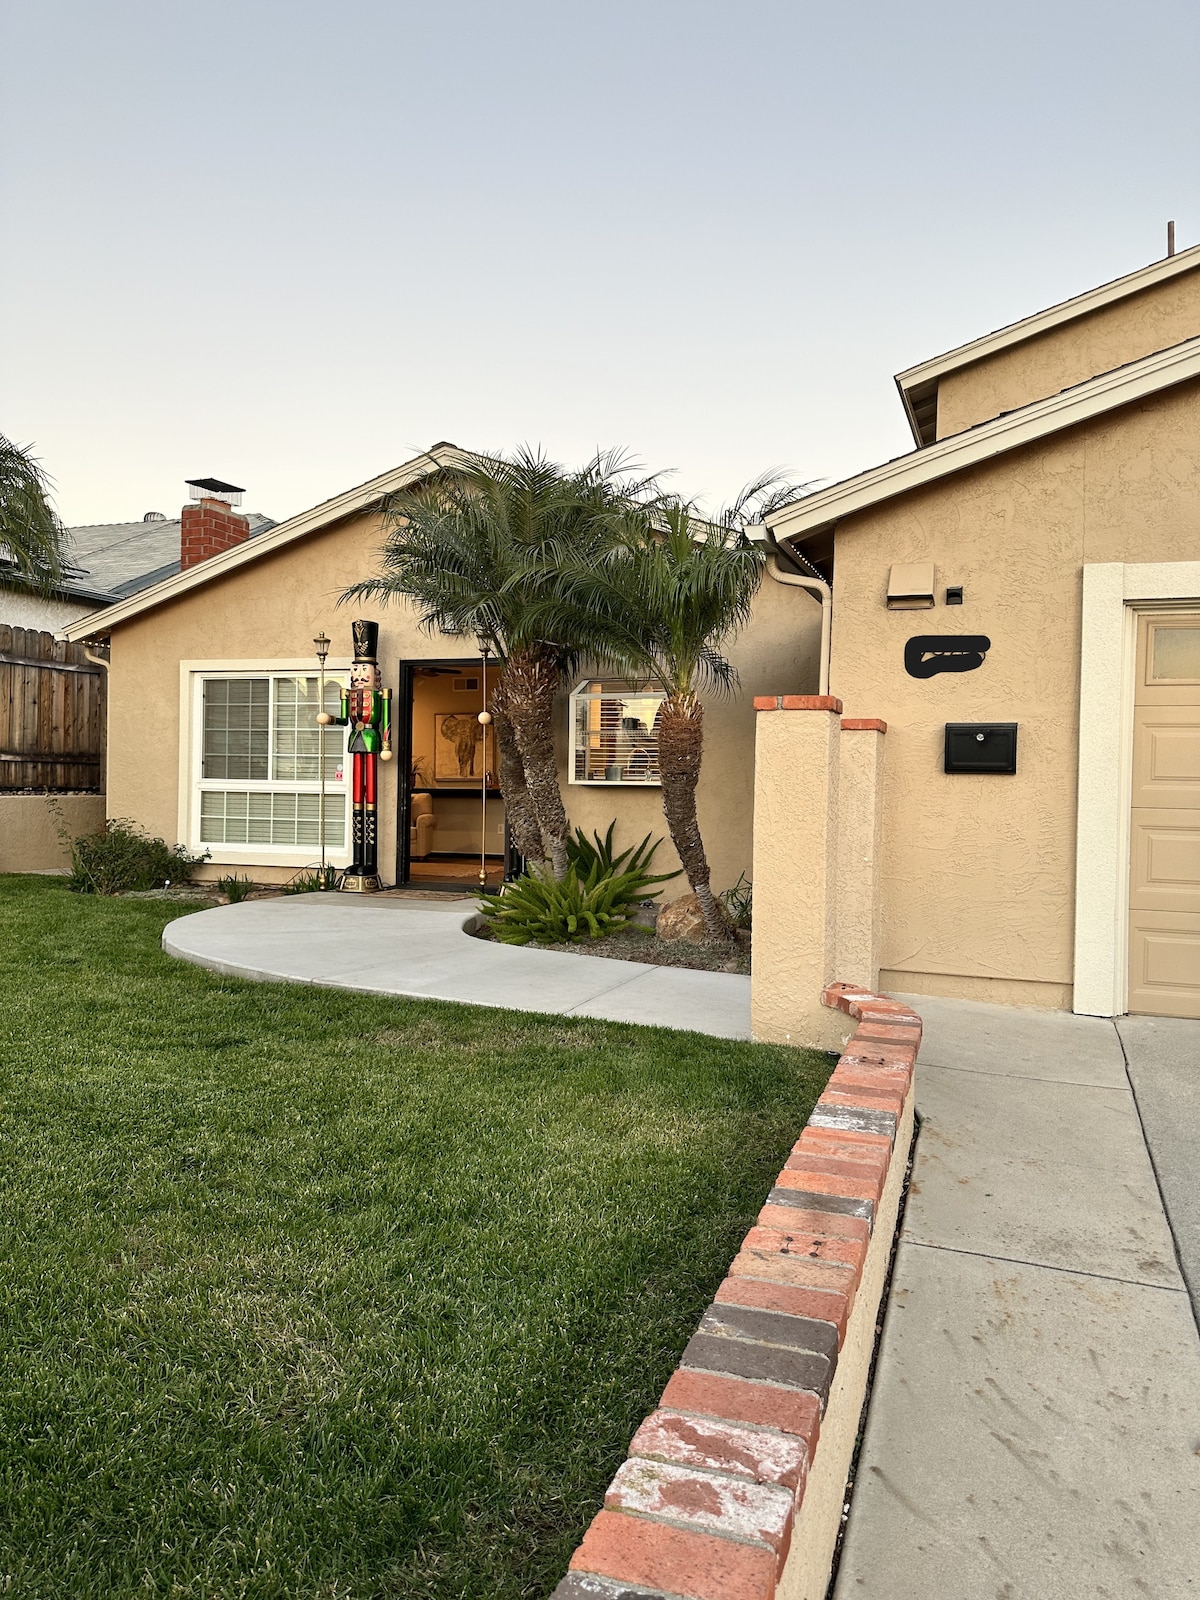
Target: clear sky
{"x":289,"y":244}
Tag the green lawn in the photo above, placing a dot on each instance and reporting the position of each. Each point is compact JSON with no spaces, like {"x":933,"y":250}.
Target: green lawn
{"x":311,"y":1295}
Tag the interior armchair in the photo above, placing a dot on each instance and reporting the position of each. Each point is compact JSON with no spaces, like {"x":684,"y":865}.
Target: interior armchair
{"x":422,"y":824}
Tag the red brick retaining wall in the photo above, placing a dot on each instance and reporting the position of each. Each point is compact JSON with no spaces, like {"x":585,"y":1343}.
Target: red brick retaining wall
{"x":706,"y":1504}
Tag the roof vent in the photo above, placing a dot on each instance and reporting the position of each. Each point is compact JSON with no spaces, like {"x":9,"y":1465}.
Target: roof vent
{"x":214,"y":489}
{"x":154,"y":516}
{"x":910,"y":586}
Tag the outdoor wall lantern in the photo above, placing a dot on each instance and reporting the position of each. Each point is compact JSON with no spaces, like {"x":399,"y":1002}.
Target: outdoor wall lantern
{"x":981,"y":747}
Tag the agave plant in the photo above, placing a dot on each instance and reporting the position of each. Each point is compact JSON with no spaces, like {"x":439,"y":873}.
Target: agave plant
{"x":547,"y":910}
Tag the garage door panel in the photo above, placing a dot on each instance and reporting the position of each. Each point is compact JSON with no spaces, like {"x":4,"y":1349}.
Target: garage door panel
{"x":1164,"y":964}
{"x":1166,"y":861}
{"x":1166,"y":757}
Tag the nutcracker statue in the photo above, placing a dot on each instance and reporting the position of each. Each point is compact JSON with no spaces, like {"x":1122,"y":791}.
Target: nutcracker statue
{"x":367,"y":711}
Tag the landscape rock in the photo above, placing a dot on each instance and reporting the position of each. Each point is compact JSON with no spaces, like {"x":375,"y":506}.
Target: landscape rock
{"x":682,"y":919}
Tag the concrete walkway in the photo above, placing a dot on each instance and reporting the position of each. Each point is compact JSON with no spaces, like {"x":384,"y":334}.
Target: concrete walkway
{"x":1034,"y":1429}
{"x":419,"y":948}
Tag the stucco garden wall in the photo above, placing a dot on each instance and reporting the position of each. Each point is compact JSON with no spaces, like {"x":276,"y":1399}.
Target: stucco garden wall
{"x":978,"y":871}
{"x":29,"y":829}
{"x":272,"y":608}
{"x":1154,"y":319}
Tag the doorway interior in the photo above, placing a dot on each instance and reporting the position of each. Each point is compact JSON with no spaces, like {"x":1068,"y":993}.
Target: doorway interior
{"x":451,"y":820}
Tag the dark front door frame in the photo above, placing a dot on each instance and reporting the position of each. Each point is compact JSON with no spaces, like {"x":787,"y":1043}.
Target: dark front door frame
{"x":402,"y":741}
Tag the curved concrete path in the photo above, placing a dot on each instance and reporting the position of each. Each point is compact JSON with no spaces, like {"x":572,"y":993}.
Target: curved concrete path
{"x":419,"y":948}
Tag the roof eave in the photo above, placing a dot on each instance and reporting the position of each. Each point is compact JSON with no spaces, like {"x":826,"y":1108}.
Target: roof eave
{"x":1010,"y":431}
{"x":327,"y":512}
{"x":963,"y":355}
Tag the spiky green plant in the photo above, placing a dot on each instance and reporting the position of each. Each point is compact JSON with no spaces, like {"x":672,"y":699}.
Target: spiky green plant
{"x":584,"y":854}
{"x":540,"y":908}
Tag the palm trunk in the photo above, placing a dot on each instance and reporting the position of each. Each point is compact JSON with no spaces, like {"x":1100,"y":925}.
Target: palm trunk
{"x":518,"y":808}
{"x":530,"y":683}
{"x":680,"y":747}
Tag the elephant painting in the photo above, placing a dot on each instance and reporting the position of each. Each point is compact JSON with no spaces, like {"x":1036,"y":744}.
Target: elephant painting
{"x":459,"y":751}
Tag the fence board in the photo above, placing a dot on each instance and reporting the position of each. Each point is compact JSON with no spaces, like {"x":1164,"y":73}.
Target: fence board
{"x":52,"y":721}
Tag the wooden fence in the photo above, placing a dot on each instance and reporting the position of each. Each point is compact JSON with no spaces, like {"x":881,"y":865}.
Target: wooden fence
{"x":52,"y":704}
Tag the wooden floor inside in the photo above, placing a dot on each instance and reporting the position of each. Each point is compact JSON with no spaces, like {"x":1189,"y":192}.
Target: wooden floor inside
{"x":455,"y":870}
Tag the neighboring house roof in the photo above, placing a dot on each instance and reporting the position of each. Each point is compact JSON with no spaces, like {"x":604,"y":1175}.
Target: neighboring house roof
{"x":175,"y":583}
{"x":916,"y":383}
{"x":117,"y":559}
{"x":818,"y":512}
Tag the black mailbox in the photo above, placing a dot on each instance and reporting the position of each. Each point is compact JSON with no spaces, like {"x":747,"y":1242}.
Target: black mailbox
{"x":981,"y":747}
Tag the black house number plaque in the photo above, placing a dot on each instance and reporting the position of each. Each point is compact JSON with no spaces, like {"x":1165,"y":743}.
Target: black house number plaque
{"x":927,"y":654}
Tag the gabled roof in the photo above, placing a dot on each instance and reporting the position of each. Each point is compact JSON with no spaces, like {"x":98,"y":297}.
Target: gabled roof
{"x":917,"y":383}
{"x":115,"y":559}
{"x":816,"y":513}
{"x":283,"y":533}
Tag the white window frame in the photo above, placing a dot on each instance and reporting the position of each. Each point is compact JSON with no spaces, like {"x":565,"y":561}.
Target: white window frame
{"x":581,"y":692}
{"x":192,"y":676}
{"x":1114,"y":593}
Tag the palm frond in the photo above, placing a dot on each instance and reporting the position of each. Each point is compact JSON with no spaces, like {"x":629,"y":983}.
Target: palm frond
{"x":31,"y":536}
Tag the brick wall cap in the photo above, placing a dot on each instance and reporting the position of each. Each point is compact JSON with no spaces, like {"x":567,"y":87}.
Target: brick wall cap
{"x":797,"y":702}
{"x":863,"y":725}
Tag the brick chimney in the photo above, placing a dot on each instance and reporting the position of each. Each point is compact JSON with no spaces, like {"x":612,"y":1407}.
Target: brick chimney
{"x":210,"y":523}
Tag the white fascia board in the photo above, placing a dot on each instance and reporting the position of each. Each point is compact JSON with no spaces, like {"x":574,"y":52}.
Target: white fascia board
{"x":329,"y":511}
{"x":1008,"y":432}
{"x":1052,"y":317}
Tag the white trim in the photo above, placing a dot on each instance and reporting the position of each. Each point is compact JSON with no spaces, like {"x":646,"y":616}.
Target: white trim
{"x":191,"y":678}
{"x":1008,"y":432}
{"x":1053,"y":317}
{"x":343,"y":505}
{"x":1113,"y":594}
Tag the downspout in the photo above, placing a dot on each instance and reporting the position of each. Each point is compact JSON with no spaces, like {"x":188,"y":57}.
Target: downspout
{"x":101,"y":661}
{"x":814,"y":585}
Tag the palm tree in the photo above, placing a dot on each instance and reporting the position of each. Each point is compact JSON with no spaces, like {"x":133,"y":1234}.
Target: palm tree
{"x":660,"y":603}
{"x":31,"y":536}
{"x":476,"y":551}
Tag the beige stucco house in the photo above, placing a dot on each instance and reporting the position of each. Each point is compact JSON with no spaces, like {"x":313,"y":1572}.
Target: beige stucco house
{"x":1018,"y":598}
{"x":213,"y":692}
{"x":1045,"y":536}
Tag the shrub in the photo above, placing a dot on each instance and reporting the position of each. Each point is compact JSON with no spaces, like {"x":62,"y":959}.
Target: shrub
{"x":541,"y":908}
{"x":124,"y":858}
{"x":312,"y":881}
{"x":739,"y":902}
{"x":235,"y":888}
{"x":584,"y":855}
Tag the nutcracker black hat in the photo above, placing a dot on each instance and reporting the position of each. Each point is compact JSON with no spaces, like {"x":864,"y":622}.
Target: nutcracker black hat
{"x":366,"y":639}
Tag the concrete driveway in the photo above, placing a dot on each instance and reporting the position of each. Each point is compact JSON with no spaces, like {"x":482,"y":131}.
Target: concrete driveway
{"x":1034,"y":1429}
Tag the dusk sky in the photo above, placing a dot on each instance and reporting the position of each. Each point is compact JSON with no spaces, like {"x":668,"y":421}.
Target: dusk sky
{"x":292,"y":244}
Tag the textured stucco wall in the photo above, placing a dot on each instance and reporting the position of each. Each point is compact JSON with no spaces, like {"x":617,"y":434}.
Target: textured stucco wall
{"x":1158,"y":317}
{"x":860,"y":837}
{"x":796,"y":782}
{"x":29,"y":829}
{"x":43,"y":612}
{"x":978,"y":871}
{"x":272,"y":608}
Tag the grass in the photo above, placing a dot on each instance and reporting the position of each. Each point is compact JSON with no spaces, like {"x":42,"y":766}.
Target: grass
{"x":321,"y":1296}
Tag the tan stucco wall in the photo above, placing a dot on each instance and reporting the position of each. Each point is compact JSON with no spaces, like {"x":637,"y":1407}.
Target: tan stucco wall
{"x":1158,"y":317}
{"x":272,"y":608}
{"x":29,"y":829}
{"x":978,"y":871}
